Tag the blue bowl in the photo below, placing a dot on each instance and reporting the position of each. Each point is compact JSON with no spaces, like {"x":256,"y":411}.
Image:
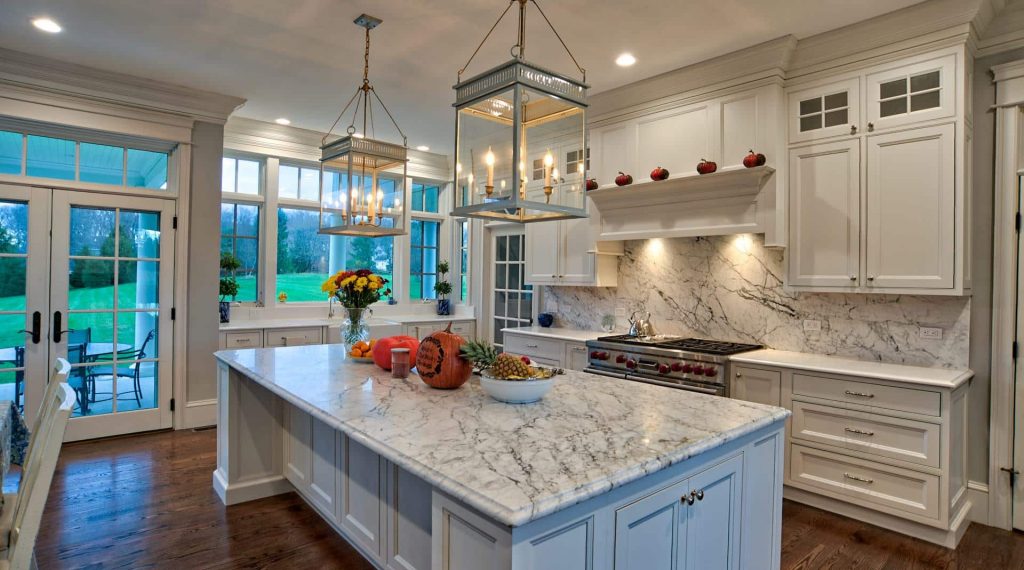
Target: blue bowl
{"x":545,"y":319}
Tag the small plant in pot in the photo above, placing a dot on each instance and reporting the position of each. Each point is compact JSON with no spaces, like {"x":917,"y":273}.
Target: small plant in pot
{"x":443,"y":288}
{"x":228,"y":284}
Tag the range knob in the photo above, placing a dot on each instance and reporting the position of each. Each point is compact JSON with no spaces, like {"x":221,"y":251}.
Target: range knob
{"x":698,"y":370}
{"x":620,"y":359}
{"x":604,"y":356}
{"x":595,"y":355}
{"x":664,"y":368}
{"x":687,"y":368}
{"x":631,"y":364}
{"x":710,"y":371}
{"x":676,"y":367}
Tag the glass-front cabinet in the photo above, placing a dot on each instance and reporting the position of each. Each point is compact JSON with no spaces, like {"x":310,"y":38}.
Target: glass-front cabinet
{"x":911,"y":93}
{"x":825,"y":111}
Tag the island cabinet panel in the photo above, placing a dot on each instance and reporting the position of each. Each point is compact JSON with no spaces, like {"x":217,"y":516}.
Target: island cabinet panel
{"x":297,"y":456}
{"x":714,"y":518}
{"x":651,"y":533}
{"x":569,"y":546}
{"x":464,"y":540}
{"x":408,"y":520}
{"x":323,"y":472}
{"x":361,"y":510}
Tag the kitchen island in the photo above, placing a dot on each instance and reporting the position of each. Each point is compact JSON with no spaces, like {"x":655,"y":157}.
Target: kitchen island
{"x":600,"y":474}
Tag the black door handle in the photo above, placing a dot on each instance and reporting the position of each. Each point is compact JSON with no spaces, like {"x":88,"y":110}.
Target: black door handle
{"x":58,"y":331}
{"x":37,"y":319}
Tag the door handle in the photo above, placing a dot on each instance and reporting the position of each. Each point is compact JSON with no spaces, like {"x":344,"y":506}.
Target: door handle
{"x":58,"y":331}
{"x":37,"y":319}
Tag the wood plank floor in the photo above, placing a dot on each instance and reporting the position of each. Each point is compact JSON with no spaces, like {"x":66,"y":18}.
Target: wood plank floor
{"x":147,"y":502}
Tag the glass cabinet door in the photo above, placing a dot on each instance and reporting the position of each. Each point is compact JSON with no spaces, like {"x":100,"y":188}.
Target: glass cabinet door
{"x":911,"y":93}
{"x":825,"y":111}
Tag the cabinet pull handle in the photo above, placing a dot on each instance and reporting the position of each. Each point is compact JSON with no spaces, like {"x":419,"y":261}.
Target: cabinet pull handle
{"x":857,"y":478}
{"x":554,"y":277}
{"x":860,"y":394}
{"x":853,"y":278}
{"x":531,"y":346}
{"x":853,"y":129}
{"x":871,"y":127}
{"x":859,"y":431}
{"x":871,"y":277}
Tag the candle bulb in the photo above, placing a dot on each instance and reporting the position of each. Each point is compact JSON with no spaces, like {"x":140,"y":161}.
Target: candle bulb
{"x":489,"y":160}
{"x":549,"y":161}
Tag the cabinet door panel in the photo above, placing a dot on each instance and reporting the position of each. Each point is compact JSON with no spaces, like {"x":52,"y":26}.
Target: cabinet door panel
{"x":575,"y":246}
{"x":713,"y":525}
{"x":755,"y":385}
{"x":361,"y":495}
{"x":409,"y":520}
{"x":676,"y":141}
{"x":651,"y":532}
{"x":323,"y":473}
{"x":912,"y":93}
{"x":910,"y":209}
{"x":576,"y":356}
{"x":739,"y":117}
{"x":297,"y":459}
{"x":825,"y":215}
{"x":613,"y":150}
{"x":542,"y":248}
{"x":824,"y":111}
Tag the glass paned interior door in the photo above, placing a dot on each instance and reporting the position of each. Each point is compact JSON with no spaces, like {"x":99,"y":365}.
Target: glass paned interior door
{"x":512,"y":306}
{"x":14,"y":248}
{"x":113,"y":308}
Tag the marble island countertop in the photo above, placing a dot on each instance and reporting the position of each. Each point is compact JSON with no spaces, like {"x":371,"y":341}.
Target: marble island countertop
{"x":515,"y":463}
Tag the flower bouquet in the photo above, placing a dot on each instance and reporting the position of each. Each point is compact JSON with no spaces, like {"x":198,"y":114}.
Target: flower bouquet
{"x":356,"y":291}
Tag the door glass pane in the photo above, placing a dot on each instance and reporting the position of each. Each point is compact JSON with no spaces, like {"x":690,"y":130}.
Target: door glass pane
{"x":922,"y":101}
{"x":891,"y":89}
{"x":138,"y":285}
{"x":92,"y":232}
{"x":810,"y":123}
{"x":288,"y":181}
{"x":137,"y":335}
{"x":50,"y":158}
{"x":101,"y":164}
{"x":500,"y":276}
{"x":12,"y":283}
{"x":512,"y":308}
{"x":10,"y":152}
{"x":136,"y":385}
{"x":140,"y":234}
{"x":147,"y":169}
{"x":91,"y":284}
{"x":13,"y":227}
{"x":924,"y":81}
{"x":97,"y":328}
{"x":502,"y":248}
{"x":835,"y":100}
{"x":809,"y":106}
{"x":893,"y":107}
{"x":10,"y":324}
{"x":834,"y":118}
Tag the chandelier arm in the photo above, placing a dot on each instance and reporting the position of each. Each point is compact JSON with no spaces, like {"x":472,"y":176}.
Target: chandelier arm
{"x":323,"y":141}
{"x":483,"y":41}
{"x":355,"y":113}
{"x":405,"y":141}
{"x":567,"y":50}
{"x":372,"y":133}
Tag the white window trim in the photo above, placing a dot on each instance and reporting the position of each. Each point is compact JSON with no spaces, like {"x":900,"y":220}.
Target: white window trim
{"x":259,"y":200}
{"x":445,"y":243}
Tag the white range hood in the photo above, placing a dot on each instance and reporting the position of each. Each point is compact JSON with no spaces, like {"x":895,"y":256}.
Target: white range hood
{"x":732,"y":201}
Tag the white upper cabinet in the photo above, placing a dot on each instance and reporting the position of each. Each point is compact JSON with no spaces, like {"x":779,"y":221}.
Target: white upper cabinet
{"x":911,"y":93}
{"x":567,"y":252}
{"x":824,"y":191}
{"x":910,"y":208}
{"x":825,"y":111}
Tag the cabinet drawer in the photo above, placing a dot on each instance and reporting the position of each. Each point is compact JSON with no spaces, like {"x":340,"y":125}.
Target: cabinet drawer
{"x":466,"y":330}
{"x":291,"y":337}
{"x":533,"y":346}
{"x":866,"y":483}
{"x":246,"y":339}
{"x":896,"y":438}
{"x":878,"y":395}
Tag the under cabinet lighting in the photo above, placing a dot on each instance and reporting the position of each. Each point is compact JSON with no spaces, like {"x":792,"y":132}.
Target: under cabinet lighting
{"x":47,"y":25}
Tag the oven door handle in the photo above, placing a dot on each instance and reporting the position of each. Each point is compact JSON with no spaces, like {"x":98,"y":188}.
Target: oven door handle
{"x":682,"y":384}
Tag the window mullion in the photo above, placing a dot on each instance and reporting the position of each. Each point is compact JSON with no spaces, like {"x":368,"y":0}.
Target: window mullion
{"x":269,"y":230}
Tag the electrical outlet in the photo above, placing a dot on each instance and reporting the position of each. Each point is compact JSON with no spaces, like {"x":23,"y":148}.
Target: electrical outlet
{"x":811,"y":325}
{"x":620,"y":312}
{"x":931,"y":333}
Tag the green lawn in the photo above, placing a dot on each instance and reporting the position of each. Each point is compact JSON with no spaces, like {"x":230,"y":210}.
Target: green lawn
{"x":301,"y":287}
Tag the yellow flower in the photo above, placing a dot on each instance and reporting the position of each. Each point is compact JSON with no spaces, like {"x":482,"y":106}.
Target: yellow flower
{"x":374,"y":285}
{"x":361,"y":282}
{"x":348,"y":281}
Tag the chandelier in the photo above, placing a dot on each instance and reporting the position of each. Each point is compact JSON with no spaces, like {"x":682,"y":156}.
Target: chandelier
{"x":520,"y":137}
{"x":362,"y":179}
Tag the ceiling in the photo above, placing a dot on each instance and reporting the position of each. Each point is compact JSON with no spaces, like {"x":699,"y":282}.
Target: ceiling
{"x":302,"y":59}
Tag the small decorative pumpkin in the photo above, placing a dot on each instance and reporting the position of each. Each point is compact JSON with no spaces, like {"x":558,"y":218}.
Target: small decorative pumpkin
{"x":439,"y":361}
{"x":382,"y":349}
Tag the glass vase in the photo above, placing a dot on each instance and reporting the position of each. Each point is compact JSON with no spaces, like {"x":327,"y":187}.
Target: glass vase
{"x":354,"y":327}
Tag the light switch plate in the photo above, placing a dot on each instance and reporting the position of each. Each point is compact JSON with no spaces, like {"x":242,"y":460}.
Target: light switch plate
{"x":932,"y":333}
{"x":812,"y":325}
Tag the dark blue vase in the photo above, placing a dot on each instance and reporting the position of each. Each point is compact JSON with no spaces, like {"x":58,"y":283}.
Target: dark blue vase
{"x":545,"y":319}
{"x":225,"y":311}
{"x":444,"y":307}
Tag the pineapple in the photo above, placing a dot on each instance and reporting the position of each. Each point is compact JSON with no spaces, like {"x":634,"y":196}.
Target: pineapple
{"x":510,"y":366}
{"x":481,"y":353}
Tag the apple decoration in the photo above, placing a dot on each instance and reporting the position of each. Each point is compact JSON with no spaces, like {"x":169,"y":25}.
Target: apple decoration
{"x":659,"y":174}
{"x":706,"y":167}
{"x":754,"y":159}
{"x":591,"y":184}
{"x":525,"y":359}
{"x":623,"y":179}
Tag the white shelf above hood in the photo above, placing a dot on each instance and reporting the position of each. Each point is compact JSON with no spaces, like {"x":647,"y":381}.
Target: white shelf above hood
{"x":721,"y":203}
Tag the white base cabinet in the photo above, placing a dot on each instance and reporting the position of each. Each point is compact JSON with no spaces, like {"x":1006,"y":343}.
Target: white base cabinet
{"x":567,"y":354}
{"x":464,"y":328}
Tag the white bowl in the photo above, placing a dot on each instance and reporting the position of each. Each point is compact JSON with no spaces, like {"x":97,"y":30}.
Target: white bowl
{"x":516,"y":391}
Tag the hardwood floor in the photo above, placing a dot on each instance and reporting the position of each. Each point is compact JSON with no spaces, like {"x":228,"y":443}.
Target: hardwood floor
{"x":147,"y":501}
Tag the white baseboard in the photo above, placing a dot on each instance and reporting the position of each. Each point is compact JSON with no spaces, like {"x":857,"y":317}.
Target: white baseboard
{"x":249,"y":490}
{"x":977,"y":494}
{"x":200,"y":413}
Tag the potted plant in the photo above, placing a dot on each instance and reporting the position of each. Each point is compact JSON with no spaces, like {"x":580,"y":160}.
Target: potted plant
{"x":228,"y":284}
{"x":356,"y":291}
{"x":443,"y":288}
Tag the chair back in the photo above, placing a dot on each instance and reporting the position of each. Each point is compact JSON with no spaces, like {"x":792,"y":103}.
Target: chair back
{"x":79,"y":336}
{"x":39,"y":466}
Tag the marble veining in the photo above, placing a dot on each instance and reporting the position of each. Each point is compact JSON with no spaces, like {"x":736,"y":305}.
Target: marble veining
{"x":514,"y":463}
{"x":730,"y":288}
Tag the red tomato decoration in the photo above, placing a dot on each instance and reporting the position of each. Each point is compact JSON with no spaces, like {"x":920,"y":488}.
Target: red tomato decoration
{"x":382,"y":349}
{"x":754,"y":159}
{"x":659,"y":174}
{"x":623,"y":179}
{"x":439,"y":361}
{"x":706,"y":167}
{"x":591,"y":184}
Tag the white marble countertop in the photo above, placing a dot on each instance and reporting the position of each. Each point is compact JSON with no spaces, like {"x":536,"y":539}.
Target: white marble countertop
{"x":515,"y":463}
{"x":288,"y":323}
{"x":557,"y":333}
{"x":939,"y":377}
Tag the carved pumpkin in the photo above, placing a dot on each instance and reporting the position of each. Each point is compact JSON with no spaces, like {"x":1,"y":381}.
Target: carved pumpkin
{"x":382,"y":349}
{"x":439,"y":363}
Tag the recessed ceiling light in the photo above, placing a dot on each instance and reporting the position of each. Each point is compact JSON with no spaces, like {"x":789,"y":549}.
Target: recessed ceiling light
{"x":625,"y":60}
{"x":47,"y":25}
{"x":282,"y":121}
{"x":423,"y":147}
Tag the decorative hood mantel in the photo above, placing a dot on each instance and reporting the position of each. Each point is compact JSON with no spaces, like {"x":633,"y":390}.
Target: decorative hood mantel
{"x":722,"y":203}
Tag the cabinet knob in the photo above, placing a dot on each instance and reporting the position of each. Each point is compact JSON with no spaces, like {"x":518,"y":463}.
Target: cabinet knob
{"x":853,"y":129}
{"x":853,"y":278}
{"x":871,"y":127}
{"x":554,"y":277}
{"x":739,"y":375}
{"x":871,"y":277}
{"x":561,"y":276}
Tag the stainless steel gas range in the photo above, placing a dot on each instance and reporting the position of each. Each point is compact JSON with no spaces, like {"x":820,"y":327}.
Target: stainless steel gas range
{"x":693,"y":364}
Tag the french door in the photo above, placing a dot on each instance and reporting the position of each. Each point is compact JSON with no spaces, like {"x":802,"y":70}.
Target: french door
{"x":98,"y":282}
{"x":512,"y":303}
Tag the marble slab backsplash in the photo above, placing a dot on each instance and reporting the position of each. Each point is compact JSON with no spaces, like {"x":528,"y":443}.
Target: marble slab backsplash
{"x":730,"y":288}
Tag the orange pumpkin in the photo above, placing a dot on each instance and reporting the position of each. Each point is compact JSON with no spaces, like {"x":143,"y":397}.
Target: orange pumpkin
{"x":439,"y":362}
{"x":382,"y":349}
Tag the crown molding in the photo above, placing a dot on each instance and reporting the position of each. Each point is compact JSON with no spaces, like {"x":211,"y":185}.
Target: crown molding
{"x":1004,"y":33}
{"x":58,"y":77}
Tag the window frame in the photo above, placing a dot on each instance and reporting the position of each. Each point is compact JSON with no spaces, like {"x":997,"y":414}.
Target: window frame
{"x":445,"y":250}
{"x":258,"y":200}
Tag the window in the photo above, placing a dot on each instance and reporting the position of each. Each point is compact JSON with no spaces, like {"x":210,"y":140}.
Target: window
{"x":425,"y":197}
{"x":513,"y":300}
{"x":306,"y":258}
{"x":66,"y":159}
{"x":538,"y":169}
{"x":240,"y":176}
{"x":10,"y":152}
{"x":425,"y":239}
{"x":573,"y":158}
{"x":921,"y":91}
{"x":462,"y":255}
{"x":239,"y":236}
{"x":50,"y":158}
{"x":830,"y":110}
{"x":301,"y":183}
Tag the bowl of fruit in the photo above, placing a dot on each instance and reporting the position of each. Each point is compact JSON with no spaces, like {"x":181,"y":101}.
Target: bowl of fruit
{"x":362,"y":351}
{"x":507,"y":377}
